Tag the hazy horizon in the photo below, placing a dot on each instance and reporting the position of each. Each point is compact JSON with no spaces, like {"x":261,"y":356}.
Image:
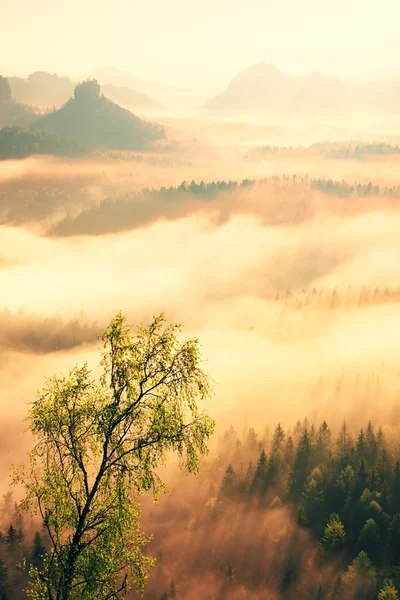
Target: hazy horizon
{"x":204,"y":49}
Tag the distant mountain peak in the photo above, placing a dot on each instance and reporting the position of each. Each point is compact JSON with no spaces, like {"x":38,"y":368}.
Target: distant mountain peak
{"x":263,"y":86}
{"x":92,"y":119}
{"x":260,"y":86}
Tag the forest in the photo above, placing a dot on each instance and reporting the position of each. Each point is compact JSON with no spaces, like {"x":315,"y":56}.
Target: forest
{"x":200,"y":301}
{"x":335,"y":494}
{"x":338,"y":150}
{"x":87,"y":122}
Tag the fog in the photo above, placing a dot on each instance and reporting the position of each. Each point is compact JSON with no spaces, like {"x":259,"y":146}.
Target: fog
{"x":292,"y":289}
{"x":215,"y":266}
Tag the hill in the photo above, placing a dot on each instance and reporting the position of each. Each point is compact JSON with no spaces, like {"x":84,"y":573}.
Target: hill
{"x":260,"y":86}
{"x":129,"y":97}
{"x":90,"y":118}
{"x":170,"y":95}
{"x":12,"y":112}
{"x":48,"y":90}
{"x":264,"y":87}
{"x":320,"y":94}
{"x":42,"y":89}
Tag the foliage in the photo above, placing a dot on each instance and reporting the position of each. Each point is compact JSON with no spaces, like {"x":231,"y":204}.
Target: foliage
{"x":388,"y":592}
{"x":243,"y":517}
{"x":13,"y":114}
{"x":135,"y":209}
{"x":16,"y":142}
{"x":98,"y":446}
{"x":369,"y":538}
{"x":360,"y":577}
{"x":334,"y":534}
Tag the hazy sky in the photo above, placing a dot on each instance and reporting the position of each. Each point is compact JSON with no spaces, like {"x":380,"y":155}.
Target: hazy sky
{"x":202,"y":42}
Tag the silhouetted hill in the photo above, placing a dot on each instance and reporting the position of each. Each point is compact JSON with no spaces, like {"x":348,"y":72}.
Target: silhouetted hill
{"x":11,"y":112}
{"x":260,"y":86}
{"x":320,"y":94}
{"x":94,"y":120}
{"x":129,"y":97}
{"x":50,"y":90}
{"x":264,"y":87}
{"x":170,"y":95}
{"x":42,"y":89}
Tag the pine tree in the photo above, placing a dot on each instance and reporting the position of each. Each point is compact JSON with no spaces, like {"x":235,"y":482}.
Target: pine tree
{"x":384,"y":468}
{"x":278,"y":438}
{"x":12,"y":536}
{"x":380,"y":439}
{"x":38,"y":551}
{"x":393,"y":540}
{"x":301,"y":466}
{"x":251,"y":441}
{"x":334,"y":534}
{"x":260,"y":475}
{"x":344,"y":443}
{"x":229,"y":481}
{"x":395,"y":489}
{"x":369,"y":539}
{"x":297,"y":432}
{"x":3,"y":580}
{"x":273,"y":470}
{"x":323,"y":444}
{"x":172,"y":590}
{"x":370,"y":441}
{"x":361,"y":446}
{"x":237,"y":455}
{"x":360,"y":577}
{"x":248,"y":479}
{"x":289,"y":451}
{"x":313,"y":499}
{"x":388,"y":592}
{"x":361,"y":480}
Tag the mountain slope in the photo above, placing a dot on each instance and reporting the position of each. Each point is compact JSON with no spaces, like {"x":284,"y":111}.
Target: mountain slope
{"x":260,"y":86}
{"x":12,"y":112}
{"x":99,"y":123}
{"x":264,"y":87}
{"x":42,"y":89}
{"x":129,"y":97}
{"x":320,"y":94}
{"x":171,"y":95}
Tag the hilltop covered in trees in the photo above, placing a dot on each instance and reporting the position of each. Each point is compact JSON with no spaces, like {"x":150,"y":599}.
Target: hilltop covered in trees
{"x":90,"y":118}
{"x":136,"y":208}
{"x":84,"y":124}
